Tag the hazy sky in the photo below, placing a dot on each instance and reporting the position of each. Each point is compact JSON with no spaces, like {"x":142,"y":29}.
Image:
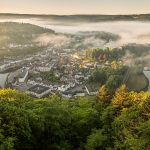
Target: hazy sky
{"x":75,"y":6}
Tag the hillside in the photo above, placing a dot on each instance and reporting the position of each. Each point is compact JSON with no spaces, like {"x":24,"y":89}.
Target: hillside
{"x":119,"y":121}
{"x":22,"y":38}
{"x":16,"y":37}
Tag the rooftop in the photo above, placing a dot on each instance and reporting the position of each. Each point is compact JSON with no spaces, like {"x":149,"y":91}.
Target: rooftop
{"x":39,"y":89}
{"x":22,"y":73}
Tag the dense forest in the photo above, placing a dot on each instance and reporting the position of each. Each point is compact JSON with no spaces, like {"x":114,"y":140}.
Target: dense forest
{"x":105,"y":122}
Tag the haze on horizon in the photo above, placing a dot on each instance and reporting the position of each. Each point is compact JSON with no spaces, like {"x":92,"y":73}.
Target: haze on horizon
{"x":68,"y":7}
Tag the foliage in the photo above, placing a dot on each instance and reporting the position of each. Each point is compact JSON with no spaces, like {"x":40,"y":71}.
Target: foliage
{"x":111,"y":77}
{"x":105,"y":54}
{"x":103,"y":122}
{"x":49,"y":76}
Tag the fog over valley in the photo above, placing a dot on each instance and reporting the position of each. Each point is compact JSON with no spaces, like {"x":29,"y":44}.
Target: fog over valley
{"x":128,"y":31}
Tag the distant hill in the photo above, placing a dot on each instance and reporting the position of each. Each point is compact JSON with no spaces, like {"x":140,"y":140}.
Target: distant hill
{"x":82,"y":18}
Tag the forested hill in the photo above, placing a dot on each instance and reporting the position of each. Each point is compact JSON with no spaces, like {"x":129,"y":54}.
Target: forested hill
{"x":79,"y":18}
{"x":19,"y":33}
{"x":106,"y":122}
{"x":19,"y":38}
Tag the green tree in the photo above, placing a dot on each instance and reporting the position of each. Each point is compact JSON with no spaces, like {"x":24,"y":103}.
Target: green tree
{"x":97,"y":140}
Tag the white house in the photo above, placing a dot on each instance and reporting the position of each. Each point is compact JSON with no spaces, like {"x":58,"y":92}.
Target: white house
{"x":23,"y":76}
{"x":79,"y":95}
{"x":64,"y":88}
{"x":43,"y":69}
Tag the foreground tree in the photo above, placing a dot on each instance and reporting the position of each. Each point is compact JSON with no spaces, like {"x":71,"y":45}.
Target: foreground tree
{"x":122,"y":122}
{"x":121,"y":98}
{"x":103,"y":95}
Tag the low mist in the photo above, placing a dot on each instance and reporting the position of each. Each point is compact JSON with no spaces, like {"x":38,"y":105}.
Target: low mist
{"x":93,"y":35}
{"x":129,"y":31}
{"x":53,"y":40}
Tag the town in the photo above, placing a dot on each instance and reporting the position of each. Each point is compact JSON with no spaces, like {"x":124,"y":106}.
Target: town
{"x":47,"y":72}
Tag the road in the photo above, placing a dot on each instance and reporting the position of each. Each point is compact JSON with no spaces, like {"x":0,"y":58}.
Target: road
{"x":147,"y":74}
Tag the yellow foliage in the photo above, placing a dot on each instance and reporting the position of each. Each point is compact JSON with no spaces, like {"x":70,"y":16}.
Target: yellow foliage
{"x":10,"y":95}
{"x":121,"y":98}
{"x":103,"y":95}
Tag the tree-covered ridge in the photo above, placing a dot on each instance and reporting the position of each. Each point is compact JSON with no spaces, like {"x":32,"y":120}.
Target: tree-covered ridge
{"x":19,"y":33}
{"x":19,"y":38}
{"x":119,"y":121}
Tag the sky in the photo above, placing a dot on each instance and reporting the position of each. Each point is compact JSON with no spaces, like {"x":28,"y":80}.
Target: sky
{"x":68,"y":7}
